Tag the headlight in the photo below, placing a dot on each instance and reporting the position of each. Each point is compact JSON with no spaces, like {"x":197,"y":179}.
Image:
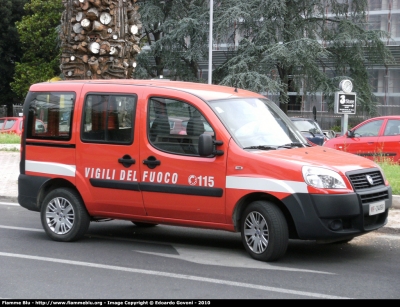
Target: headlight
{"x":322,"y":178}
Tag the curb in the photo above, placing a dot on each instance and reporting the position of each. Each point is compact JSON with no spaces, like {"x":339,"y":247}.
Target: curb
{"x":396,"y":202}
{"x":8,"y":199}
{"x":11,"y":147}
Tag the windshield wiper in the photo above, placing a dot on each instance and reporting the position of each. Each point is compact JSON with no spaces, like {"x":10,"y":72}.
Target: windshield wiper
{"x":261,"y":147}
{"x":294,"y":144}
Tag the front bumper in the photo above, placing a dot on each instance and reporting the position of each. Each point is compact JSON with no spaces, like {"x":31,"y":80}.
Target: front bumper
{"x":332,"y":217}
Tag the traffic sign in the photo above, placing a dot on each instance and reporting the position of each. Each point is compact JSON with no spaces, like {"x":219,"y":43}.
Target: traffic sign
{"x":345,"y":103}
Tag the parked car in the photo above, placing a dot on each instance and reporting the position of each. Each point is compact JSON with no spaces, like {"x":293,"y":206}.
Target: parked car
{"x":11,"y":125}
{"x":330,"y":134}
{"x":310,"y":129}
{"x":178,"y":126}
{"x":207,"y":127}
{"x":14,"y":125}
{"x":376,"y":138}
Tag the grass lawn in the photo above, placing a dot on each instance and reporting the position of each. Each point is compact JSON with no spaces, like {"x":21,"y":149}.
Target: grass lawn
{"x":392,"y":173}
{"x":8,"y":138}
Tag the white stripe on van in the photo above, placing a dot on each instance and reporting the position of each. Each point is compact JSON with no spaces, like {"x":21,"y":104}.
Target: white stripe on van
{"x":232,"y":182}
{"x":264,"y":184}
{"x":50,"y":168}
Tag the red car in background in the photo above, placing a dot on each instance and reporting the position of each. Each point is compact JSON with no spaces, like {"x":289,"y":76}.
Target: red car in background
{"x":377,"y":139}
{"x":14,"y":125}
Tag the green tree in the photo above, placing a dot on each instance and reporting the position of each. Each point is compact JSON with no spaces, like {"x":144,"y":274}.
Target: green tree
{"x":39,"y":37}
{"x":176,"y":35}
{"x":10,"y":50}
{"x":289,"y":44}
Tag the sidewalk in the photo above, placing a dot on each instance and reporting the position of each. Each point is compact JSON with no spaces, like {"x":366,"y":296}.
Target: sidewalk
{"x":9,"y":172}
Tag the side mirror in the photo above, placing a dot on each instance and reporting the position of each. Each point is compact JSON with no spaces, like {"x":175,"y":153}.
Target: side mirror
{"x":206,"y":146}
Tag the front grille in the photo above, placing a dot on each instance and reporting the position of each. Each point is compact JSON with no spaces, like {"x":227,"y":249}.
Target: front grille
{"x":374,"y":197}
{"x":360,"y":181}
{"x":369,"y":190}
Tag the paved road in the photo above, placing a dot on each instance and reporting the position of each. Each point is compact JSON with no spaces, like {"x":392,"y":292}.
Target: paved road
{"x":117,"y":260}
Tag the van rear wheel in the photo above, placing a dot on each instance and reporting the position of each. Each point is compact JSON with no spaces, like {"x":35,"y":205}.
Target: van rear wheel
{"x":264,"y":231}
{"x":64,"y":216}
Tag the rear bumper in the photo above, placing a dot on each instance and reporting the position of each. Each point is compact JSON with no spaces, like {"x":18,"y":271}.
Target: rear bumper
{"x":28,"y":191}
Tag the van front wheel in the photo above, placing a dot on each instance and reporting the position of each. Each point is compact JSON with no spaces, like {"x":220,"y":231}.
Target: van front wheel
{"x":264,"y":231}
{"x":64,"y":216}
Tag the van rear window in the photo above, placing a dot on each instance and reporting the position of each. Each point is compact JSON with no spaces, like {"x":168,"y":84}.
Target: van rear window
{"x":50,"y":115}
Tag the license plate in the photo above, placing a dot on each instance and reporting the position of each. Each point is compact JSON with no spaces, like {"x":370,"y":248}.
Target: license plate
{"x":376,"y":208}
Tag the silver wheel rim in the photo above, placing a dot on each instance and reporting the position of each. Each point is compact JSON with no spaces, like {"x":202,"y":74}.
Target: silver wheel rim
{"x":60,"y":215}
{"x":256,"y":232}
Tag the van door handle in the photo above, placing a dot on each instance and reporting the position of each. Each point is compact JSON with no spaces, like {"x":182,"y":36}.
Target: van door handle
{"x":126,"y":161}
{"x":151,"y":162}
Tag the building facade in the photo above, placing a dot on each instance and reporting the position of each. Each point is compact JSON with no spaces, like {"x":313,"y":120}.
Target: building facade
{"x":385,"y":81}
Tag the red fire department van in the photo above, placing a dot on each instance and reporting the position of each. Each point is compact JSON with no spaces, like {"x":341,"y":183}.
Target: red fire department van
{"x":188,"y":154}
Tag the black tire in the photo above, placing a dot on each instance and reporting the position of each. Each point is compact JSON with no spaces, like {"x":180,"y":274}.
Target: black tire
{"x":64,"y":216}
{"x":265,"y":233}
{"x":144,"y":225}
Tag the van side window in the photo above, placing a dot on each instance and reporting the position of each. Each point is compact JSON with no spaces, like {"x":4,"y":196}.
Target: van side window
{"x":50,"y":115}
{"x":108,"y":118}
{"x":175,"y":126}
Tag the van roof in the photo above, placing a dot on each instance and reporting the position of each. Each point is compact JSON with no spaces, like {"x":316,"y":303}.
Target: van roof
{"x":202,"y":90}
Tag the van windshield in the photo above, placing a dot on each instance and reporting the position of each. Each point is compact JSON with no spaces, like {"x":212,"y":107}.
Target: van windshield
{"x":257,"y":123}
